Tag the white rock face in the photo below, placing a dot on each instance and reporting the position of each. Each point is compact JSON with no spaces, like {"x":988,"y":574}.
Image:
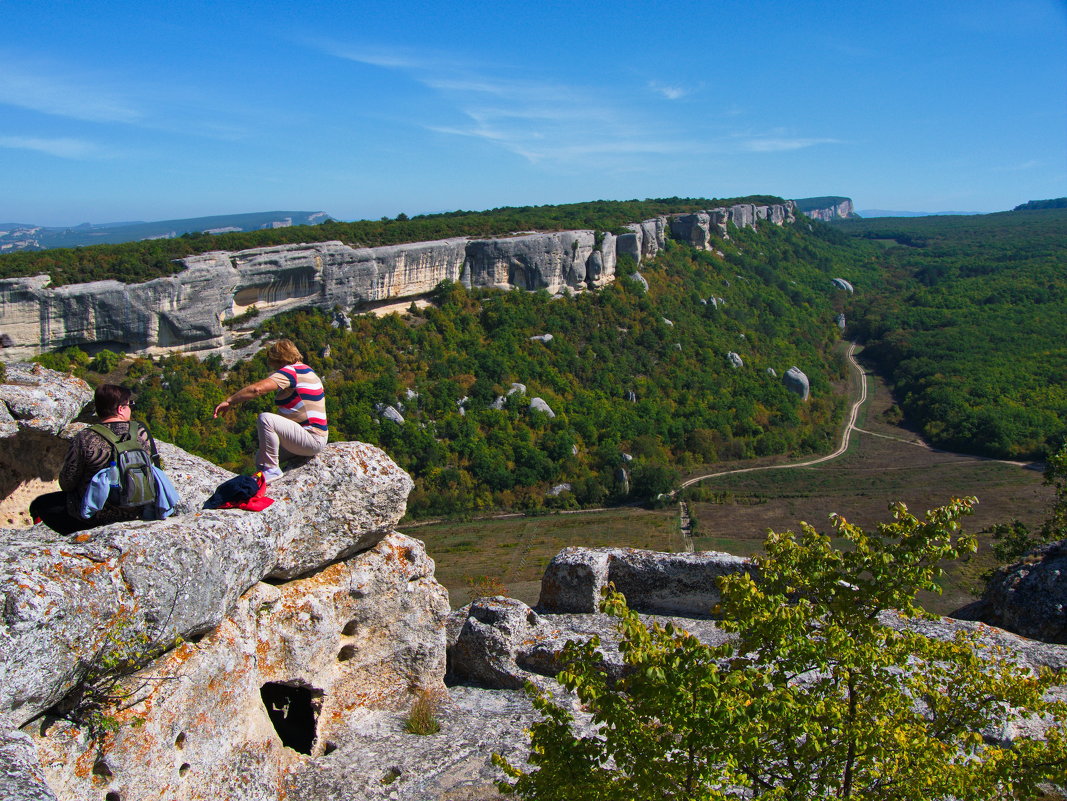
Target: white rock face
{"x":796,"y":382}
{"x":179,"y":576}
{"x":541,"y":405}
{"x":677,"y":583}
{"x":186,"y":311}
{"x":21,"y":777}
{"x":842,"y":210}
{"x":360,"y":635}
{"x":841,"y":283}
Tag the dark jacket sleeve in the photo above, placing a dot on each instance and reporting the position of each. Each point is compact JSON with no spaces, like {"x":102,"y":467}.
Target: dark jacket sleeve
{"x":70,"y":475}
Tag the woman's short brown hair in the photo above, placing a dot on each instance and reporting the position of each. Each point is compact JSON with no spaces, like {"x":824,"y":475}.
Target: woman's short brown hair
{"x":283,"y":352}
{"x":108,"y":398}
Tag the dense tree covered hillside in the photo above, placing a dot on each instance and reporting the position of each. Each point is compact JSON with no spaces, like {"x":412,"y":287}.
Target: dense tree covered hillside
{"x":969,"y":327}
{"x":446,"y":366}
{"x":133,"y":262}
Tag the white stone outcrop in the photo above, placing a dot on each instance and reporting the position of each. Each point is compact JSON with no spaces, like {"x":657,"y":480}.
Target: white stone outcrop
{"x":796,"y":382}
{"x":351,"y":622}
{"x":541,"y":405}
{"x":178,"y":577}
{"x":841,"y":210}
{"x":1028,"y":597}
{"x":670,"y":584}
{"x":841,"y":283}
{"x":361,"y":635}
{"x":189,"y":310}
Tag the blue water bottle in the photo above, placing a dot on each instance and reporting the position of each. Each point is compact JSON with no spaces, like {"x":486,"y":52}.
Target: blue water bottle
{"x":113,"y":474}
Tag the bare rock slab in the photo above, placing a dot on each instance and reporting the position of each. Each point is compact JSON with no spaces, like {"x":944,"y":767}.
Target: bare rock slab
{"x":181,"y":576}
{"x":661,"y":583}
{"x":282,"y":680}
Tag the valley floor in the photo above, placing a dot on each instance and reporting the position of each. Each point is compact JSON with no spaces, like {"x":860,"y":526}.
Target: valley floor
{"x":884,"y":463}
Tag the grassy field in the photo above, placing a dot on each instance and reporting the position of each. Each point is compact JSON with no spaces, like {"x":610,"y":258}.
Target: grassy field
{"x":885,"y":463}
{"x":509,"y":555}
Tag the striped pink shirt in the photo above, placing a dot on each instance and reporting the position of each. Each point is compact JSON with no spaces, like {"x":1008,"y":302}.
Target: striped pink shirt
{"x":300,"y":397}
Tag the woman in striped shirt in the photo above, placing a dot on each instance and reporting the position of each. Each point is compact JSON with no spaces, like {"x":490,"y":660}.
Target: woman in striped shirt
{"x":299,"y":427}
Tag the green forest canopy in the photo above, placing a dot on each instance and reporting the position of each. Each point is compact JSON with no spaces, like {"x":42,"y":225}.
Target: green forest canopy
{"x":964,"y":316}
{"x":667,"y":345}
{"x":968,"y":327}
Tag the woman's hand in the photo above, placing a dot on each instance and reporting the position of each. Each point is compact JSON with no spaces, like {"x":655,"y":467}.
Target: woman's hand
{"x":222,"y":407}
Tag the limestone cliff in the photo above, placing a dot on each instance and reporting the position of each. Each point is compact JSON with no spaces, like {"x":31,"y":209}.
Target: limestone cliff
{"x":826,"y":208}
{"x":188,"y":311}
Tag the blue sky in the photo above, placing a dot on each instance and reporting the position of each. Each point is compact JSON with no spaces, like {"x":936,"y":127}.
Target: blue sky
{"x":143,"y":111}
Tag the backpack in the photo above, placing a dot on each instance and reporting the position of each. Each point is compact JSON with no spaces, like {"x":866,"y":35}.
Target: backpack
{"x":137,"y":484}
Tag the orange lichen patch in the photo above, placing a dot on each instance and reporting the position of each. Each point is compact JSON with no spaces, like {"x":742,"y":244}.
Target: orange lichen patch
{"x":263,"y":651}
{"x":86,"y":760}
{"x":82,"y":537}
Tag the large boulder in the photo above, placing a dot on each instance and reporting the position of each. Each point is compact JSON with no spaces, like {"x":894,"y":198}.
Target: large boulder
{"x":485,"y":638}
{"x":36,"y":407}
{"x":796,"y":382}
{"x":654,"y":582}
{"x":35,"y":398}
{"x":274,"y":685}
{"x":501,"y":643}
{"x":181,"y":576}
{"x":841,"y":283}
{"x":1028,"y":597}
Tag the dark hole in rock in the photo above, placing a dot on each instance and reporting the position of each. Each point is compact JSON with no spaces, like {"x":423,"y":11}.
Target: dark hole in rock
{"x":101,"y":769}
{"x":294,"y":711}
{"x":179,"y":741}
{"x":346,"y":653}
{"x":112,"y":796}
{"x":351,"y":627}
{"x":184,"y":768}
{"x":329,"y":748}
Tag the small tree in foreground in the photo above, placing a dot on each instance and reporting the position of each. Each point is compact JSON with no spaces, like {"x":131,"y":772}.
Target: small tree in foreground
{"x":815,"y":699}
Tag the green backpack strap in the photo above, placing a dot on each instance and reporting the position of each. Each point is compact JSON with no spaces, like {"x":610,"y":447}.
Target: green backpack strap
{"x":106,"y":433}
{"x":115,"y":440}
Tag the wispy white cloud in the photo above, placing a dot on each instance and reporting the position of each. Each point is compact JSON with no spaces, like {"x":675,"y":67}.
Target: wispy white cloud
{"x":74,"y":92}
{"x":63,"y":96}
{"x":62,"y":147}
{"x":549,"y":121}
{"x":782,"y":144}
{"x":388,"y":57}
{"x":668,"y":91}
{"x":1021,"y":166}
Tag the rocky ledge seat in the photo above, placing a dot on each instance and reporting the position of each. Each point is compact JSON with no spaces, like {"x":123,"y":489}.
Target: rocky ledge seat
{"x":314,"y":605}
{"x":178,"y":577}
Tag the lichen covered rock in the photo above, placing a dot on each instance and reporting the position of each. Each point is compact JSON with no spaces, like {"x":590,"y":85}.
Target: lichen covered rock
{"x":276,"y":681}
{"x":178,"y":577}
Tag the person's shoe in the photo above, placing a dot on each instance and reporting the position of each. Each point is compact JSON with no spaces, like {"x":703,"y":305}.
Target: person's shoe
{"x":271,"y":473}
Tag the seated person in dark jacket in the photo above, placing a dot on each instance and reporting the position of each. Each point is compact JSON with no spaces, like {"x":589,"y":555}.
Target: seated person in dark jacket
{"x":89,"y":453}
